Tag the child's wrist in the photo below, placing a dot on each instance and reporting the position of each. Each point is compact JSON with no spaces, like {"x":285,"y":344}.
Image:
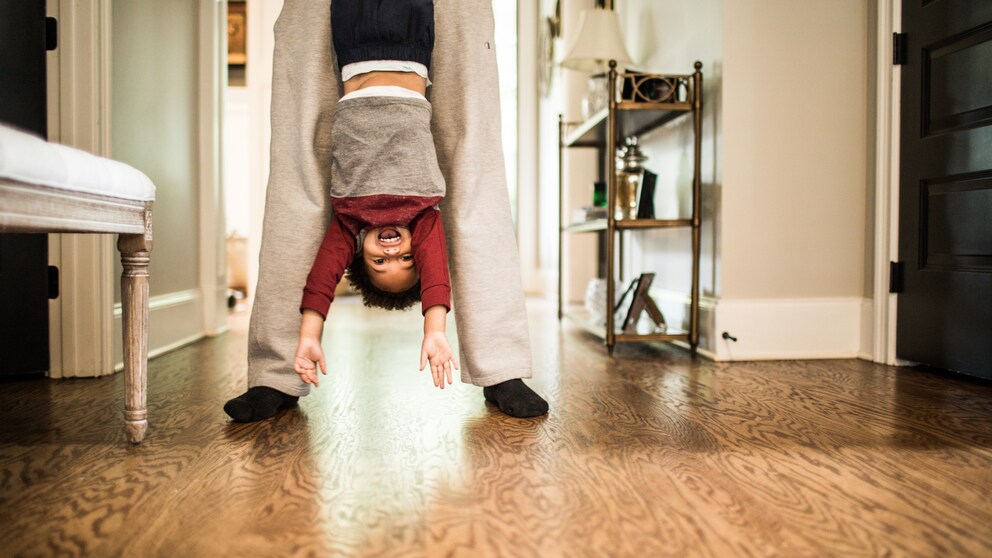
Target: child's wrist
{"x":434,"y":319}
{"x":311,"y":324}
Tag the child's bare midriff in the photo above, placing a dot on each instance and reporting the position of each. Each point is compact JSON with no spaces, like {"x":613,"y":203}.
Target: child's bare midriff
{"x":407,"y":80}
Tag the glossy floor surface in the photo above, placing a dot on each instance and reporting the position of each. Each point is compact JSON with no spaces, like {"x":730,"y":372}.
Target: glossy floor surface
{"x":648,"y":454}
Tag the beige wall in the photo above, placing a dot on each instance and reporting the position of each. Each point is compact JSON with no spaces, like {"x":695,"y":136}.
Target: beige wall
{"x":154,"y":126}
{"x":794,"y":105}
{"x":871,"y":115}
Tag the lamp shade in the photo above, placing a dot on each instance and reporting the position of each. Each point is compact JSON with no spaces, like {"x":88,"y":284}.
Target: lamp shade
{"x":598,"y":41}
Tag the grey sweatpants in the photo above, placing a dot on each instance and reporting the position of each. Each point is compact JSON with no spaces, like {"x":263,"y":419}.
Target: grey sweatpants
{"x":488,"y":297}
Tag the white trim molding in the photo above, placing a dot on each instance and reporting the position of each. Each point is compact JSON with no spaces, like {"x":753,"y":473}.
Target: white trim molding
{"x":81,"y":316}
{"x":173,"y":321}
{"x":79,"y":102}
{"x":528,"y":174}
{"x":789,"y":328}
{"x":867,"y":345}
{"x":212,"y":247}
{"x":886,"y":183}
{"x":771,"y":329}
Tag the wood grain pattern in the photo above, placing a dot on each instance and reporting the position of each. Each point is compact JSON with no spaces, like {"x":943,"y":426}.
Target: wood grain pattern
{"x":651,"y":454}
{"x":135,"y":250}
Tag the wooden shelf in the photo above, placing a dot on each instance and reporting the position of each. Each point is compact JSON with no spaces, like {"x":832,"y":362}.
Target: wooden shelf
{"x":640,"y":103}
{"x":587,"y":226}
{"x":584,"y":319}
{"x":627,"y":224}
{"x":633,"y":119}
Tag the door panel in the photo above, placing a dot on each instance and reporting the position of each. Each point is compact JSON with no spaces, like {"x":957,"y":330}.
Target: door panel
{"x":957,"y":89}
{"x":23,"y":257}
{"x":23,"y":304}
{"x":945,"y":196}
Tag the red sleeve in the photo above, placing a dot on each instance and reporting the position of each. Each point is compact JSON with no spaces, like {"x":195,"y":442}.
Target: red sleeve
{"x":336,"y":253}
{"x":430,"y":255}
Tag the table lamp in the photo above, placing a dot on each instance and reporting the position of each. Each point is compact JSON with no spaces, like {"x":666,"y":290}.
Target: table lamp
{"x":598,"y":41}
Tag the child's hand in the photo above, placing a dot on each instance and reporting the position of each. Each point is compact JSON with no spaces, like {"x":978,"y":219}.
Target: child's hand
{"x":436,"y":350}
{"x":308,"y":355}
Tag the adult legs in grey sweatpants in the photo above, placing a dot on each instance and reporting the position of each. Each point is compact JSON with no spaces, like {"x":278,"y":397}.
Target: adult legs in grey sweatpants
{"x":488,"y":299}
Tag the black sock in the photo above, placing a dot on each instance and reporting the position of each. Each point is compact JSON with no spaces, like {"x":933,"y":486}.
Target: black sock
{"x":258,"y":403}
{"x":516,"y":399}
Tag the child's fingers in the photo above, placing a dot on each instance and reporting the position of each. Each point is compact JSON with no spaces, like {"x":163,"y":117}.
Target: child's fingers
{"x":323,"y":365}
{"x":437,"y":373}
{"x":454,"y":361}
{"x":423,"y":360}
{"x":447,"y":371}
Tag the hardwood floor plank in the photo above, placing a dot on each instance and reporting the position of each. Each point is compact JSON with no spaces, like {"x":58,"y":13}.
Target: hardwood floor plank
{"x":649,"y":454}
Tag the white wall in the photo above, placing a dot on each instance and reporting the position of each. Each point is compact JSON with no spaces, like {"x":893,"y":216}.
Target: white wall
{"x":668,"y":253}
{"x":545,"y":248}
{"x":262,"y":15}
{"x":237,"y":169}
{"x":579,"y":166}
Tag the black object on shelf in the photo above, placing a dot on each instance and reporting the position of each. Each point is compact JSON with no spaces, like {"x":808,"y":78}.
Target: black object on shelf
{"x":645,"y":205}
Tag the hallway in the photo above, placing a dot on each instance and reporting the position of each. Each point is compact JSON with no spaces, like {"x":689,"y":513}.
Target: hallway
{"x":650,"y":454}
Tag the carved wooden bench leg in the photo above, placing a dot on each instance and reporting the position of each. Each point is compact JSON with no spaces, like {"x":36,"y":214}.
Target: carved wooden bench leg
{"x":135,"y":249}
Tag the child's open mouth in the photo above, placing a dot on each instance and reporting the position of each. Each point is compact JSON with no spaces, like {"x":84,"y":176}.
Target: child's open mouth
{"x":389,"y":236}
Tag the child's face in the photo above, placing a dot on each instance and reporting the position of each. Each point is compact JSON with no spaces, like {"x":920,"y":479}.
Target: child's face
{"x":389,"y":258}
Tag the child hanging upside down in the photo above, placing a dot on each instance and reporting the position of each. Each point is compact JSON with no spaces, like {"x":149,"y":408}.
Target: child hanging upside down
{"x":386,"y":233}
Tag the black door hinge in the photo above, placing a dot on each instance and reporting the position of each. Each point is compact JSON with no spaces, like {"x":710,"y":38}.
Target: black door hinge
{"x":895,"y":277}
{"x":51,"y":33}
{"x":53,"y":282}
{"x":899,"y":49}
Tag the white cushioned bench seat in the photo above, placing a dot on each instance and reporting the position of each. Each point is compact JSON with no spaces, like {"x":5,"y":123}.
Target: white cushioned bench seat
{"x":32,"y":160}
{"x":51,"y":188}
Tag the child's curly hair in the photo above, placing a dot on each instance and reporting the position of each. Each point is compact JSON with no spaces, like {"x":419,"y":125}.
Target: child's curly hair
{"x":373,"y":296}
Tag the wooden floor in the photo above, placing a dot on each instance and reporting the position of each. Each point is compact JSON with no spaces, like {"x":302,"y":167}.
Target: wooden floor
{"x":650,"y":454}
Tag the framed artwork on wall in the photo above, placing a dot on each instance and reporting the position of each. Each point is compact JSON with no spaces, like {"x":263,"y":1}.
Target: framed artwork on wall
{"x":237,"y":30}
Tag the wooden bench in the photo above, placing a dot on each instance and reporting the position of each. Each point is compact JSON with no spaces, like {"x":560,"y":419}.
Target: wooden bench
{"x":51,"y":188}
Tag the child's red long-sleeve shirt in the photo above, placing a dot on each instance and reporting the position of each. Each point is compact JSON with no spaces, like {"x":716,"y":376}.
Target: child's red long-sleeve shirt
{"x":338,"y":249}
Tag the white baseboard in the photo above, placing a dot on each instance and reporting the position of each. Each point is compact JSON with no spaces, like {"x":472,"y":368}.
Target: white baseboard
{"x":216,"y":317}
{"x":789,"y":328}
{"x":775,"y":329}
{"x":675,"y":306}
{"x":174,"y":319}
{"x":867,"y":349}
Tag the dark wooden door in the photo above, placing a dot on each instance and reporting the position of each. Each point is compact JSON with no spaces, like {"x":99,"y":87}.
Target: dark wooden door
{"x":945,"y":192}
{"x":23,"y":257}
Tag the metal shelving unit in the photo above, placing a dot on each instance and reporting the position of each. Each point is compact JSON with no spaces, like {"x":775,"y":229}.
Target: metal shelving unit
{"x":631,"y":112}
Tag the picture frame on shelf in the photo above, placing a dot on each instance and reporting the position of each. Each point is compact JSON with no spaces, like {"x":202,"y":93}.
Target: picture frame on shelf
{"x":237,"y":34}
{"x":645,"y":197}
